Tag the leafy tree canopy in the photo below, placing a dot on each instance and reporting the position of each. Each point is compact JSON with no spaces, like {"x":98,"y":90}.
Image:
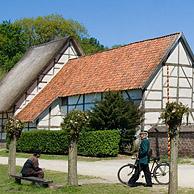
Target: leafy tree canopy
{"x":46,"y":28}
{"x":12,"y":44}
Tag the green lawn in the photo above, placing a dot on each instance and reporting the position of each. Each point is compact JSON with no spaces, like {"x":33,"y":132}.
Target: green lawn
{"x":4,"y":152}
{"x":9,"y":186}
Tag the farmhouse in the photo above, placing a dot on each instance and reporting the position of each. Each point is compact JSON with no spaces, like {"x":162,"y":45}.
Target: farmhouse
{"x":55,"y":78}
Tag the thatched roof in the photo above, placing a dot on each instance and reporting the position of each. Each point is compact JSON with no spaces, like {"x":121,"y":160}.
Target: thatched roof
{"x":26,"y":71}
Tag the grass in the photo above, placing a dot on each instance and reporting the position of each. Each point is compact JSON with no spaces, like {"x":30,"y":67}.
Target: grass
{"x":8,"y":186}
{"x":4,"y":153}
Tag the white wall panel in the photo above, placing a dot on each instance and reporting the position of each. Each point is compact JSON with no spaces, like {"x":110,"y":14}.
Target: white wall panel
{"x":185,"y":92}
{"x":173,"y":58}
{"x":155,"y":95}
{"x":156,"y":83}
{"x":44,"y":118}
{"x":184,"y":58}
{"x":183,"y":82}
{"x":172,"y":81}
{"x":172,"y":92}
{"x":185,"y":71}
{"x":172,"y":70}
{"x":56,"y":121}
{"x":152,"y":104}
{"x":55,"y":109}
{"x":152,"y":117}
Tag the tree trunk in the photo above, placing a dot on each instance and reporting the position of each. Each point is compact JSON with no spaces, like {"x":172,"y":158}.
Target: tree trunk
{"x":12,"y":157}
{"x":173,"y":184}
{"x":72,"y":164}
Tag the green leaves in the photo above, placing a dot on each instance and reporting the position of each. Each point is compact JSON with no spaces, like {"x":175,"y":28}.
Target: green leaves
{"x":173,"y":114}
{"x":74,"y":122}
{"x":12,"y":45}
{"x":13,"y":127}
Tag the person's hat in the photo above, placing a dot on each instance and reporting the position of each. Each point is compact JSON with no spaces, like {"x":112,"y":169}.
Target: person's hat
{"x":144,"y":132}
{"x":37,"y":152}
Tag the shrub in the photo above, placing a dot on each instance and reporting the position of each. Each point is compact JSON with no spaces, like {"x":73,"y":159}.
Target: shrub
{"x":52,"y":142}
{"x":94,"y":143}
{"x":99,"y":143}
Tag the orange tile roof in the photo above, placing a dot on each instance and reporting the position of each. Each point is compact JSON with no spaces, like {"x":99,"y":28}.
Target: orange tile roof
{"x":123,"y":68}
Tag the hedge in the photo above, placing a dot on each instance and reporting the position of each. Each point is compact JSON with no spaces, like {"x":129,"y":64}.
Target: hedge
{"x":93,"y":143}
{"x":99,"y":143}
{"x":51,"y":142}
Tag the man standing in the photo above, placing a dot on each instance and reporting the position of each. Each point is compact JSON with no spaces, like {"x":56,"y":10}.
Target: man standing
{"x":142,"y":162}
{"x":31,"y":166}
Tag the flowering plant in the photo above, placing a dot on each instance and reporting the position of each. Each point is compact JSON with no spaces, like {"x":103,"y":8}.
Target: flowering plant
{"x":13,"y":127}
{"x":173,"y":114}
{"x":74,"y":122}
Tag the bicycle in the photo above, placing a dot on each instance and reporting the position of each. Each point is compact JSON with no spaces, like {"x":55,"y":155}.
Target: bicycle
{"x":159,"y":170}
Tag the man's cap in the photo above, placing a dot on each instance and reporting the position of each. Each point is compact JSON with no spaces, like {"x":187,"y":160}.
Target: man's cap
{"x":144,"y":132}
{"x":37,"y":152}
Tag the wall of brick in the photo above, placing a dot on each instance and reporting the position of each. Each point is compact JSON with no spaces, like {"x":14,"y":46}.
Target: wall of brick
{"x":186,"y":143}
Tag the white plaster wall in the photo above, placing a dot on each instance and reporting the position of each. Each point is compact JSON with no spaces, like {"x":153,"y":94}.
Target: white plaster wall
{"x":152,"y":118}
{"x":152,"y":104}
{"x":153,"y":95}
{"x":183,"y":82}
{"x":156,"y":83}
{"x":183,"y":56}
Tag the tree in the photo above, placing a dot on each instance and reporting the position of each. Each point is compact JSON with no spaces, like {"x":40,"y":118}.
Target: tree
{"x":172,"y":116}
{"x":13,"y":128}
{"x":91,"y":45}
{"x":73,"y":124}
{"x":46,"y":28}
{"x":114,"y":112}
{"x":12,"y":45}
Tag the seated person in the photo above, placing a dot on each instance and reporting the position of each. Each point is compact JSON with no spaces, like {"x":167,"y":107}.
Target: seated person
{"x":31,"y":167}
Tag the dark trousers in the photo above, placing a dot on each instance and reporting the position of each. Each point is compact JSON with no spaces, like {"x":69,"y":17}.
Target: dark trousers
{"x":147,"y":173}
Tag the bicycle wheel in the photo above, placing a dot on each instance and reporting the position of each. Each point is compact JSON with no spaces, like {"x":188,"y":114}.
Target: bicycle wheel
{"x":161,"y":173}
{"x":125,"y":173}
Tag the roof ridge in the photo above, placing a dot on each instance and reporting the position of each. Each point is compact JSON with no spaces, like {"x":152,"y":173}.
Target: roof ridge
{"x":108,"y":50}
{"x":46,"y":43}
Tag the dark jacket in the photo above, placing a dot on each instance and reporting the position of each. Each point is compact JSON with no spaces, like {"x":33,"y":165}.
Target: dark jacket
{"x":31,"y":167}
{"x":143,"y":151}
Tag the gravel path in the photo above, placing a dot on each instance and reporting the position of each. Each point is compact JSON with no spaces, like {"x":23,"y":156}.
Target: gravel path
{"x":105,"y":170}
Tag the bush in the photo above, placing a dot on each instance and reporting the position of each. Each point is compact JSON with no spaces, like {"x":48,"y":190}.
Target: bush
{"x":94,"y":143}
{"x":99,"y":143}
{"x":52,"y":142}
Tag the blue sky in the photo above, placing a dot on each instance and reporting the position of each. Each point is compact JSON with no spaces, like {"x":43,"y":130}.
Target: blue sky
{"x":113,"y":21}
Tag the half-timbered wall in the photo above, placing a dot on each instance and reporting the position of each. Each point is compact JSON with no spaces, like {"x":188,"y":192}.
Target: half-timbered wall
{"x":174,"y":81}
{"x":52,"y":117}
{"x":42,"y":80}
{"x":45,"y":77}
